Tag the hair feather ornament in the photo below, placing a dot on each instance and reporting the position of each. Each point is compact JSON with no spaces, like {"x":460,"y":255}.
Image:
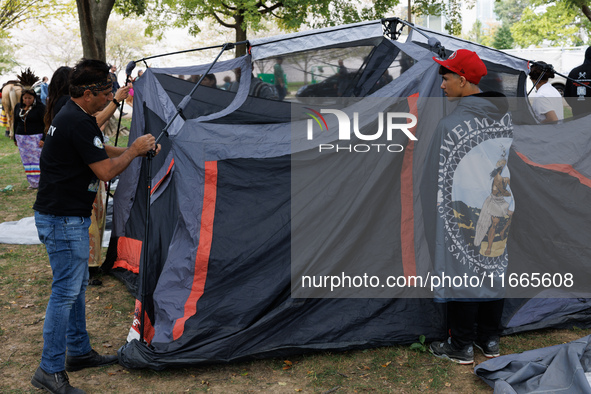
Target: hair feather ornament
{"x":27,"y":78}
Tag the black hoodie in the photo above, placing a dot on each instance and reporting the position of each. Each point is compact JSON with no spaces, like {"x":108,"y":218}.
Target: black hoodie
{"x":577,"y":95}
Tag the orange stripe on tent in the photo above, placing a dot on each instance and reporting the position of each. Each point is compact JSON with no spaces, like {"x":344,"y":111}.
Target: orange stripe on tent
{"x":407,"y":217}
{"x":564,"y":168}
{"x":203,"y":249}
{"x":163,"y":178}
{"x":129,"y":251}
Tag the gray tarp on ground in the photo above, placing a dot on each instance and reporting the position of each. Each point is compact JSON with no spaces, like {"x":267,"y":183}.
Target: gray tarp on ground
{"x":557,"y":369}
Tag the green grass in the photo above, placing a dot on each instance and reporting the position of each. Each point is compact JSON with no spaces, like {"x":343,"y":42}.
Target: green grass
{"x":10,"y":162}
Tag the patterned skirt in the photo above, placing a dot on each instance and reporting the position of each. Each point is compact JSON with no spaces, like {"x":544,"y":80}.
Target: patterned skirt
{"x":28,"y":146}
{"x":3,"y":118}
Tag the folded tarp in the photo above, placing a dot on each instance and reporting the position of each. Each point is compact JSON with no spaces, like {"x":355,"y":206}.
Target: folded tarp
{"x":21,"y":232}
{"x":562,"y":368}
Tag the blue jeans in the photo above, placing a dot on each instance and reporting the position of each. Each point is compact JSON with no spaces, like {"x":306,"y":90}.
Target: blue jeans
{"x":67,"y":243}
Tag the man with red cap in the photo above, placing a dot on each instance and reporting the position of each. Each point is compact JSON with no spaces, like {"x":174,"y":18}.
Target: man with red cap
{"x":467,"y":204}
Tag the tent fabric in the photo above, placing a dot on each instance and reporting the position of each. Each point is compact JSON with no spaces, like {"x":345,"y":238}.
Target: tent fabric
{"x":222,"y":239}
{"x":339,"y":35}
{"x":562,"y":368}
{"x":537,"y":313}
{"x":485,"y":53}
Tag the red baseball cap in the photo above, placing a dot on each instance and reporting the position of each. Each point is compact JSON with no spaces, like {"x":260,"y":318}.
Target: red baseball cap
{"x":466,"y":64}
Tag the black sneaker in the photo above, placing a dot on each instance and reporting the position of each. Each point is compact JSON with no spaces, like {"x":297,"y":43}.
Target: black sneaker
{"x":89,"y":360}
{"x":490,"y":348}
{"x":446,"y":350}
{"x":58,"y":383}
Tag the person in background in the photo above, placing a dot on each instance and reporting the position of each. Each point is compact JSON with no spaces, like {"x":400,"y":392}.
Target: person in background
{"x":73,"y":162}
{"x":279,"y":77}
{"x":227,"y":82}
{"x":28,"y":133}
{"x":342,"y":73}
{"x":578,"y":94}
{"x":546,"y":100}
{"x":59,"y":95}
{"x":43,"y":93}
{"x":209,"y":80}
{"x":113,"y":74}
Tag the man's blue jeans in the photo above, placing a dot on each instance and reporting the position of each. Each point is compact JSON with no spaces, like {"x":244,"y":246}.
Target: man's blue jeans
{"x":67,"y":243}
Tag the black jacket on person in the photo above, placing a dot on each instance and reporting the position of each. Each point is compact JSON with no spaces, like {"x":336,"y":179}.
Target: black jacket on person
{"x":33,"y":121}
{"x":578,"y":94}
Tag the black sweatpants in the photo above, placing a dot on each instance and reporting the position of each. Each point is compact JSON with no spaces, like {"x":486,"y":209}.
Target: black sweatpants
{"x":471,"y":321}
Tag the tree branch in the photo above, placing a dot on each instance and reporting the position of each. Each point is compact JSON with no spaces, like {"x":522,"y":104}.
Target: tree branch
{"x":223,"y":23}
{"x":266,"y":9}
{"x":229,"y":7}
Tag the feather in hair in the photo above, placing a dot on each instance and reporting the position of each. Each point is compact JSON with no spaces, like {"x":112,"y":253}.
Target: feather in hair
{"x":27,"y":78}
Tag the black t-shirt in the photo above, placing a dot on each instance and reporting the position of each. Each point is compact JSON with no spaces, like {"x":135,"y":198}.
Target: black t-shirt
{"x":68,"y":186}
{"x":59,"y":104}
{"x":577,"y":95}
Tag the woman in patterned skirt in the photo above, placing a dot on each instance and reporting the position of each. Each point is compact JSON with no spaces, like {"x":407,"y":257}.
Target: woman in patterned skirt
{"x":28,"y":132}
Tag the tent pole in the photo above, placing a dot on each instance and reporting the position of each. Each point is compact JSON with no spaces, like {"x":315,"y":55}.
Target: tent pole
{"x":226,"y":45}
{"x":145,"y":246}
{"x":187,"y":99}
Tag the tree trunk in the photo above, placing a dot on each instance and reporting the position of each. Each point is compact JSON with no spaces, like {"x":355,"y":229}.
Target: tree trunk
{"x":586,"y":11}
{"x":93,"y":16}
{"x":240,"y":35}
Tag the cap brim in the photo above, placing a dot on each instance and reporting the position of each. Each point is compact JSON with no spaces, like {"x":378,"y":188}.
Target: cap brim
{"x":438,"y":60}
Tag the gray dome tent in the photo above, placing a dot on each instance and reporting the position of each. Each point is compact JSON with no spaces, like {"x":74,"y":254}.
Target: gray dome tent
{"x":237,"y":197}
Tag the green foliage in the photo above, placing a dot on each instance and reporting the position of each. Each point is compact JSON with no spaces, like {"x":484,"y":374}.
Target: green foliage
{"x":482,"y":34}
{"x":581,"y":5}
{"x":7,"y":60}
{"x":476,"y":33}
{"x":503,"y":38}
{"x":244,"y":15}
{"x":420,"y":346}
{"x":454,"y":17}
{"x":125,"y":40}
{"x":452,"y":10}
{"x":509,"y":11}
{"x":14,"y":12}
{"x":558,"y":23}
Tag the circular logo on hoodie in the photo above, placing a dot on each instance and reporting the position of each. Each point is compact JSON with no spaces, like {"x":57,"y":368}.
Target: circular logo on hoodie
{"x":469,"y":201}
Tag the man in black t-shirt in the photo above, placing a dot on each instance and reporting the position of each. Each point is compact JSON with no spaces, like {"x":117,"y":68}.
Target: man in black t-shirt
{"x":73,"y":162}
